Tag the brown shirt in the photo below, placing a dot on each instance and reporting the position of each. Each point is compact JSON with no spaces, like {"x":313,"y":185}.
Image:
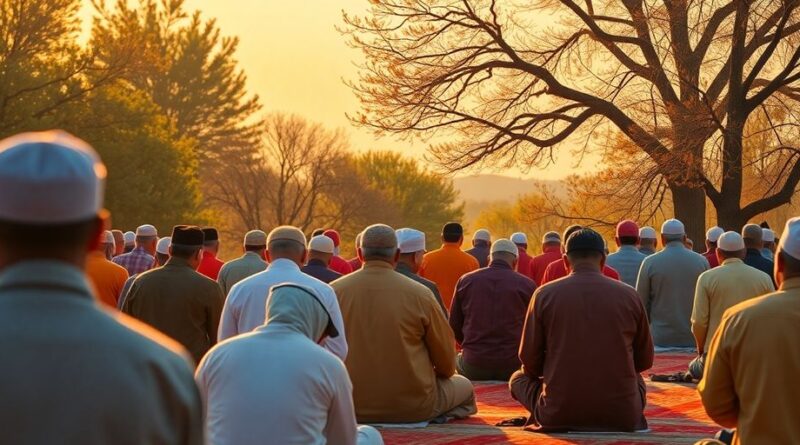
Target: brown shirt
{"x":399,"y":342}
{"x":587,"y":336}
{"x":179,"y":302}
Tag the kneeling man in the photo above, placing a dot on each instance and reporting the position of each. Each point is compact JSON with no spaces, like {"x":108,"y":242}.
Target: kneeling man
{"x":586,"y":339}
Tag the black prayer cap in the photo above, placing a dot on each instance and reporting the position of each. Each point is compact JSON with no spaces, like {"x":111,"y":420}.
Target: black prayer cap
{"x":586,"y":240}
{"x":187,"y":236}
{"x":210,"y":234}
{"x":453,"y":228}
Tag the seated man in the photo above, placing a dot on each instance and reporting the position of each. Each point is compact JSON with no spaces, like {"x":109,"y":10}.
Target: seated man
{"x":411,"y":244}
{"x":487,"y":315}
{"x":585,"y":340}
{"x":712,"y":238}
{"x":753,"y":361}
{"x":721,"y":288}
{"x":558,"y":269}
{"x":251,"y":400}
{"x":401,"y":350}
{"x":444,"y":266}
{"x":551,"y":251}
{"x":627,"y":259}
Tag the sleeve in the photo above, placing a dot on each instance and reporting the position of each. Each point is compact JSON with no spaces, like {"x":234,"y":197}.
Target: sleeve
{"x":341,"y":427}
{"x":717,"y":389}
{"x":337,"y":346}
{"x":440,"y":341}
{"x":610,"y":272}
{"x":548,"y":275}
{"x":438,"y":298}
{"x":532,"y":345}
{"x":228,"y":323}
{"x":643,"y":285}
{"x":643,"y":350}
{"x":457,"y":312}
{"x":701,"y":307}
{"x":119,"y":285}
{"x":222,"y":282}
{"x":214,"y":312}
{"x":130,"y":299}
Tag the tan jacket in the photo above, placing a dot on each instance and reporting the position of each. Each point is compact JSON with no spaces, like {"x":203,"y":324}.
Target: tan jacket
{"x":399,"y":343}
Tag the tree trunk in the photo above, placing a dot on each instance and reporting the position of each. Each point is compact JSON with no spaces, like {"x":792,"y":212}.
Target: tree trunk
{"x":731,"y":218}
{"x":690,"y":209}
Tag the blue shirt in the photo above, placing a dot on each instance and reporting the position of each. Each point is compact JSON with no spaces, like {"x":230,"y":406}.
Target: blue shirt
{"x":321,"y":271}
{"x":627,"y":261}
{"x":755,"y":259}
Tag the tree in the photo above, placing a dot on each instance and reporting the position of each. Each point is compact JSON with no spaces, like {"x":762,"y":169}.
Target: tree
{"x":419,"y":198}
{"x":42,"y":68}
{"x":679,"y":79}
{"x":187,"y":68}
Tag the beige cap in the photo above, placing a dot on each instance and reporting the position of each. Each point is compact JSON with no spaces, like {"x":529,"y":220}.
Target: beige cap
{"x":146,"y":230}
{"x":714,"y":233}
{"x":730,"y":242}
{"x":163,"y":245}
{"x":672,"y":227}
{"x":289,"y":233}
{"x":129,"y":238}
{"x":255,"y":238}
{"x":482,"y":235}
{"x":504,"y":245}
{"x":107,"y":237}
{"x":321,"y":243}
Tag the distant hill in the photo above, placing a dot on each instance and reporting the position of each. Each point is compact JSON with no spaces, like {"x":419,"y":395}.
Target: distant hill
{"x":498,"y":188}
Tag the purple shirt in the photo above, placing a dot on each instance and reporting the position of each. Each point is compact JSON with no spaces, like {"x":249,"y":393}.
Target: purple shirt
{"x":136,"y":261}
{"x":488,"y":313}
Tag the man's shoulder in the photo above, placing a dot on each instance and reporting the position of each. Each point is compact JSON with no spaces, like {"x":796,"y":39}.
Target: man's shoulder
{"x":143,"y":341}
{"x":760,"y":308}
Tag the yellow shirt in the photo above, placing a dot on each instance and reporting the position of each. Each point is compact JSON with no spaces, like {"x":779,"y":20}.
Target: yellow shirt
{"x":750,"y":380}
{"x":723,"y":287}
{"x":107,"y":278}
{"x":444,"y":267}
{"x":398,"y":343}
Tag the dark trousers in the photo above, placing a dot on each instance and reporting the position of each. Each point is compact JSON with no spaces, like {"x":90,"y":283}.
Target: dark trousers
{"x":476,"y":373}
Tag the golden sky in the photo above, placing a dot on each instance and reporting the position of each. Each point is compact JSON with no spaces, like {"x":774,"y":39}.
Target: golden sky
{"x":296,"y":61}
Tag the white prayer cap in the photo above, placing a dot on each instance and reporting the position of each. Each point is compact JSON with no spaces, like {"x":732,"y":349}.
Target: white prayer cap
{"x":714,"y":233}
{"x":49,"y":177}
{"x":321,"y":243}
{"x":129,"y":238}
{"x":551,"y":237}
{"x":410,"y":240}
{"x":107,"y":238}
{"x":519,"y":238}
{"x":767,"y":235}
{"x":730,"y":242}
{"x":504,"y":245}
{"x":790,"y":239}
{"x":647,"y":232}
{"x":146,"y":230}
{"x":163,"y":244}
{"x":483,"y":235}
{"x":673,"y":227}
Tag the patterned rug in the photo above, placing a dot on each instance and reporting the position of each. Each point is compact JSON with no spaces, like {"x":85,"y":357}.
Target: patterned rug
{"x":674,"y":413}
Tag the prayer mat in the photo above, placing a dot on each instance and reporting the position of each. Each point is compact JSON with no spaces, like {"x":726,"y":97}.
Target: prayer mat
{"x":674,"y":414}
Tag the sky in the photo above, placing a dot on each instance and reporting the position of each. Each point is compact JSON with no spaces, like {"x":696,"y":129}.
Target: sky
{"x":297,"y":62}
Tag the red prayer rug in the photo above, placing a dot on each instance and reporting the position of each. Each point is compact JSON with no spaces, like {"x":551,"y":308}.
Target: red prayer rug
{"x":674,"y":414}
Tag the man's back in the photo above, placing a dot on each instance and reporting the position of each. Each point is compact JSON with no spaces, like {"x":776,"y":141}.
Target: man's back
{"x":540,"y":262}
{"x":589,"y":342}
{"x":666,"y":284}
{"x":627,"y":261}
{"x":107,"y":278}
{"x":397,"y":336}
{"x":445,"y":266}
{"x":405,"y":270}
{"x":755,"y":259}
{"x":179,"y":302}
{"x":488,"y":313}
{"x":754,"y":361}
{"x":319,"y":270}
{"x":481,"y":254}
{"x":76,"y":374}
{"x":136,"y":261}
{"x":237,"y":270}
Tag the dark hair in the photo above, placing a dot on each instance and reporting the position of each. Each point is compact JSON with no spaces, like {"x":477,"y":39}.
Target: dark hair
{"x":317,"y":232}
{"x":44,"y":240}
{"x":452,"y":232}
{"x":250,"y":248}
{"x":162,"y":258}
{"x":584,"y":254}
{"x":569,"y":231}
{"x":628,"y":240}
{"x":184,"y":252}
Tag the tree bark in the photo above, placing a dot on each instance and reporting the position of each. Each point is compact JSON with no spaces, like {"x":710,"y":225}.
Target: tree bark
{"x":690,"y":209}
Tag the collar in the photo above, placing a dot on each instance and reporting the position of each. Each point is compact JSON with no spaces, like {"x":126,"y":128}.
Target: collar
{"x":317,"y":262}
{"x":139,"y":250}
{"x":283,"y":264}
{"x":207,"y":254}
{"x":551,"y":249}
{"x":674,"y":244}
{"x":791,"y":283}
{"x":627,"y":248}
{"x":584,"y":269}
{"x":728,"y":261}
{"x":96,"y":254}
{"x":451,"y":246}
{"x":44,"y":274}
{"x":497,"y":264}
{"x":252,"y":255}
{"x":377,"y":264}
{"x":177,"y":262}
{"x":403,"y":268}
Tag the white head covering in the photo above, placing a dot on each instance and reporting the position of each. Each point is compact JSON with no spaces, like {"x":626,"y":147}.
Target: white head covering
{"x":107,"y":238}
{"x":163,"y":244}
{"x":49,"y":177}
{"x":767,"y":235}
{"x":673,"y":227}
{"x":730,"y":242}
{"x":129,"y":238}
{"x":290,"y":305}
{"x":483,"y":235}
{"x":146,"y":230}
{"x":551,"y":237}
{"x":321,"y":243}
{"x":713,"y":234}
{"x":790,"y":239}
{"x":648,"y":232}
{"x":504,"y":245}
{"x":410,"y":240}
{"x":519,"y":238}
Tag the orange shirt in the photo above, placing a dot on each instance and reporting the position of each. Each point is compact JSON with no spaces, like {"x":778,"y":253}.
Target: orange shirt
{"x":107,"y":278}
{"x":445,"y":266}
{"x":210,"y":266}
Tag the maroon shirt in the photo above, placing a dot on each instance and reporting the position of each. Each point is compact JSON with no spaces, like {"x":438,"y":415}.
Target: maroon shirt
{"x":487,"y":315}
{"x":597,"y":341}
{"x":711,"y":256}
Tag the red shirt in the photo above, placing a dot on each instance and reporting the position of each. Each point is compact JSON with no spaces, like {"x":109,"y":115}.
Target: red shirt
{"x":524,"y":263}
{"x":210,"y":265}
{"x":355,"y":264}
{"x":558,"y":269}
{"x":711,"y":256}
{"x":539,"y":263}
{"x":339,"y":264}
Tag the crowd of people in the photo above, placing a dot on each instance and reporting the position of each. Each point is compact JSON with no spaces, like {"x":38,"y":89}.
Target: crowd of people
{"x":128,"y":338}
